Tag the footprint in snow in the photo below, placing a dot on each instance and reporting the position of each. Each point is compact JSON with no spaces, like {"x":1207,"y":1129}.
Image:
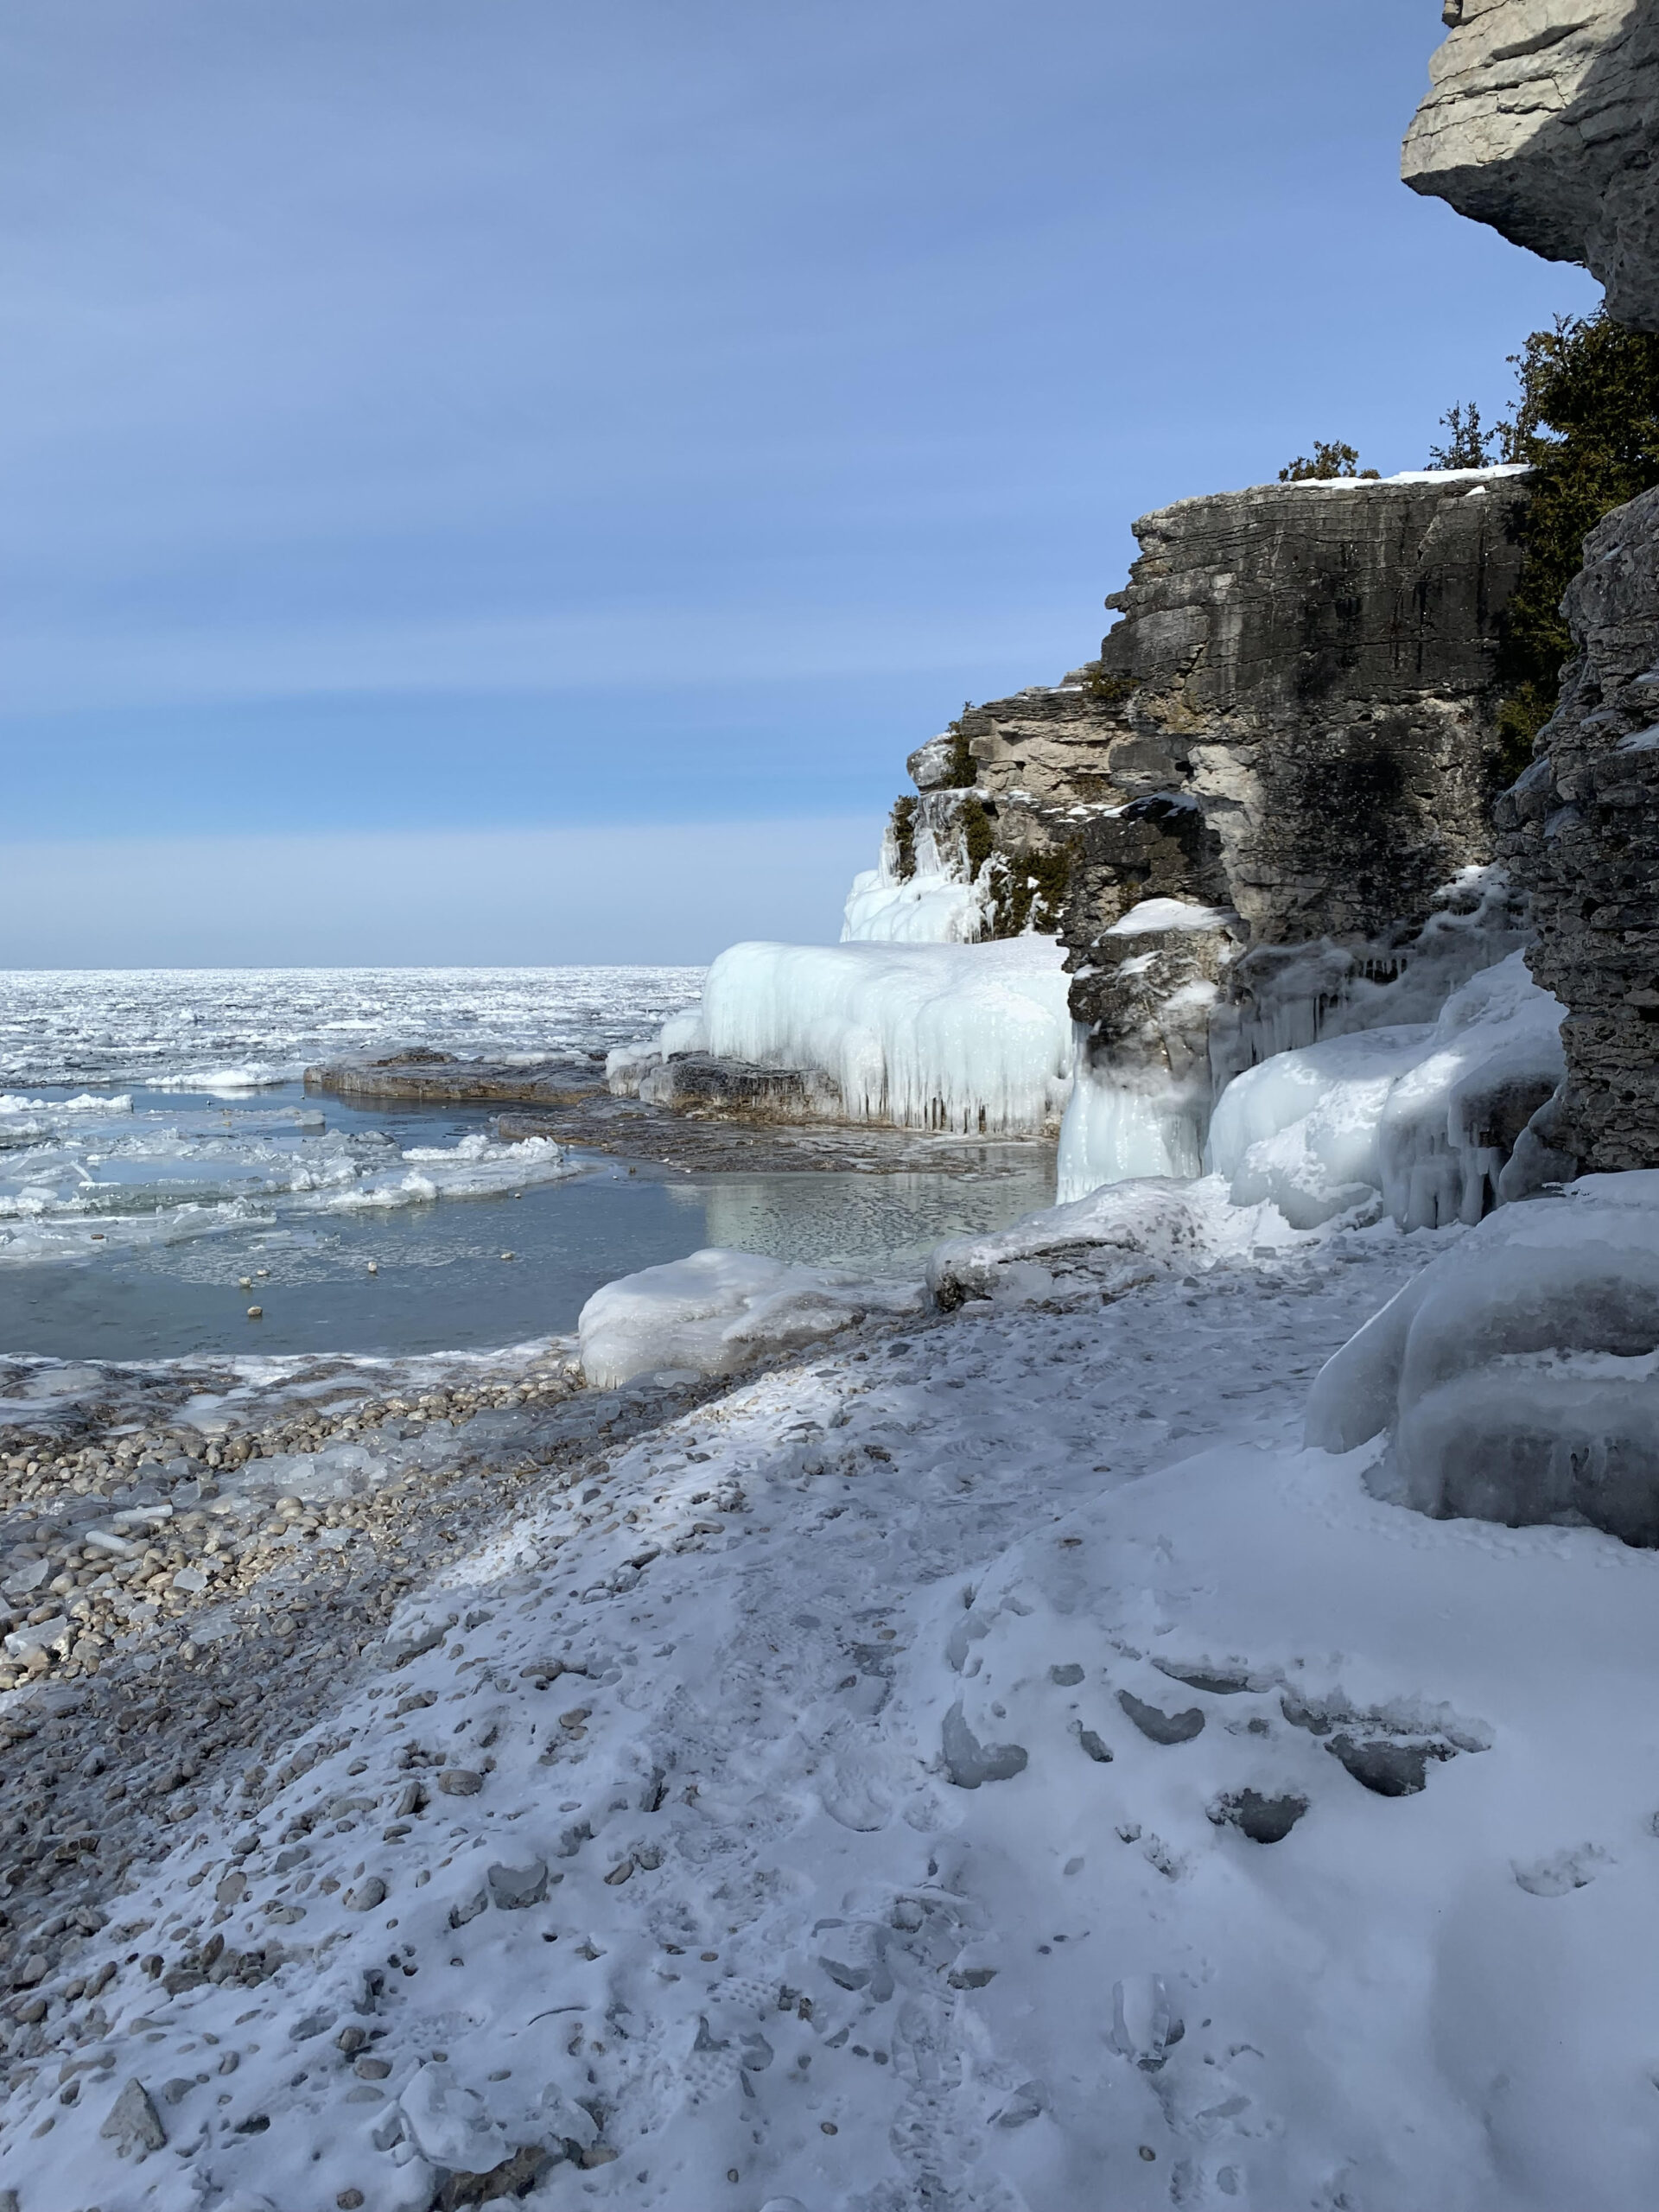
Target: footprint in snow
{"x":1565,"y":1870}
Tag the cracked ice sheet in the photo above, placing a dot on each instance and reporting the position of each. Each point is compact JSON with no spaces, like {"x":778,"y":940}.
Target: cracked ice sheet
{"x":1437,"y":1997}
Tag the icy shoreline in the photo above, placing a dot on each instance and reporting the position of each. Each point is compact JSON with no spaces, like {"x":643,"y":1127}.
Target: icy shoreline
{"x":853,"y":1779}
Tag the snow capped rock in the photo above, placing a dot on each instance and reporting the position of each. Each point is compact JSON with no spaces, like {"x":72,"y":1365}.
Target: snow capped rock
{"x":450,"y":2123}
{"x":1517,"y":1376}
{"x":717,"y":1311}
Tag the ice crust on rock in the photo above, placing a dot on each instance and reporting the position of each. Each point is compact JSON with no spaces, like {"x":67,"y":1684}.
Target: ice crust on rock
{"x":974,"y":1037}
{"x":718,"y":1311}
{"x":1424,"y":1115}
{"x":1517,"y":1377}
{"x":1301,"y":1056}
{"x":1118,"y":1235}
{"x":450,"y":2123}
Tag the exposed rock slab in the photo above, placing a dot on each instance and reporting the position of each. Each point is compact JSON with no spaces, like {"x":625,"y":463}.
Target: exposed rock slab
{"x":441,"y":1078}
{"x":1541,"y":121}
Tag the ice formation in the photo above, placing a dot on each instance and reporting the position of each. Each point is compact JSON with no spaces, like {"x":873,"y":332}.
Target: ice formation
{"x":1518,"y":1375}
{"x":936,"y":904}
{"x":718,"y":1311}
{"x":974,"y":1037}
{"x":1424,"y":1114}
{"x":1307,"y":1059}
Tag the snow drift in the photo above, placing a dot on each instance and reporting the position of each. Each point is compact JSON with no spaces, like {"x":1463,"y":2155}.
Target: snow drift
{"x":1518,"y":1376}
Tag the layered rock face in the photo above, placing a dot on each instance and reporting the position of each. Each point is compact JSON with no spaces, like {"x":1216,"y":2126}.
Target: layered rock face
{"x":1313,"y":664}
{"x":1542,"y":122}
{"x":1582,"y":829}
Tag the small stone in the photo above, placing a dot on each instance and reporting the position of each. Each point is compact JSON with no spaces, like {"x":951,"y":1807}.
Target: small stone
{"x":350,"y":2039}
{"x":349,"y":2199}
{"x":460,"y":1781}
{"x":1161,"y":1727}
{"x":365,"y":1895}
{"x":372,"y":2070}
{"x":513,"y":1888}
{"x":134,"y":2123}
{"x":256,"y":1312}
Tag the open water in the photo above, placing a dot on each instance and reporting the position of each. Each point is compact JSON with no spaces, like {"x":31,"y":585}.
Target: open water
{"x":161,"y":1168}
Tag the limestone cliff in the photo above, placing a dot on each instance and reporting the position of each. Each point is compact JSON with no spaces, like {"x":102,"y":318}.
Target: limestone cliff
{"x":1290,"y":732}
{"x":1313,"y":664}
{"x":1582,"y":829}
{"x":1541,"y":121}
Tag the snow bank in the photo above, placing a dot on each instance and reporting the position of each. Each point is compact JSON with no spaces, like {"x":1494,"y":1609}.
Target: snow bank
{"x":1120,"y":1832}
{"x":718,"y":1311}
{"x":1518,"y":1375}
{"x":1425,"y":1114}
{"x":976,"y":1037}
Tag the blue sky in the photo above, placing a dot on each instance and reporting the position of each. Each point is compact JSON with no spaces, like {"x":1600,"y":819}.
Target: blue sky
{"x":423,"y":418}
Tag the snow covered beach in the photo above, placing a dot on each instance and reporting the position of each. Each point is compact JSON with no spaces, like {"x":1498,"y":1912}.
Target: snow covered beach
{"x":985,"y":1752}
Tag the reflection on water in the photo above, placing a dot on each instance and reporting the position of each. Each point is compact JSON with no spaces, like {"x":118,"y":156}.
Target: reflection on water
{"x":885,"y":1221}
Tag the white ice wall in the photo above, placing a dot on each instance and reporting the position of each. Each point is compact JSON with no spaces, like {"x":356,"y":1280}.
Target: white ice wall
{"x":974,"y":1037}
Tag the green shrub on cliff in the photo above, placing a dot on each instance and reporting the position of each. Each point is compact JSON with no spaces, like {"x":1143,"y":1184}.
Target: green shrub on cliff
{"x":976,"y":837}
{"x":1586,"y":422}
{"x":1031,"y":891}
{"x":1111,"y":690}
{"x":1333,"y":458}
{"x":964,"y":770}
{"x":902,"y":826}
{"x":1467,"y":444}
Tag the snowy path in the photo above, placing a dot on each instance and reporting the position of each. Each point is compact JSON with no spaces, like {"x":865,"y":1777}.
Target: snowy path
{"x":775,"y":1818}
